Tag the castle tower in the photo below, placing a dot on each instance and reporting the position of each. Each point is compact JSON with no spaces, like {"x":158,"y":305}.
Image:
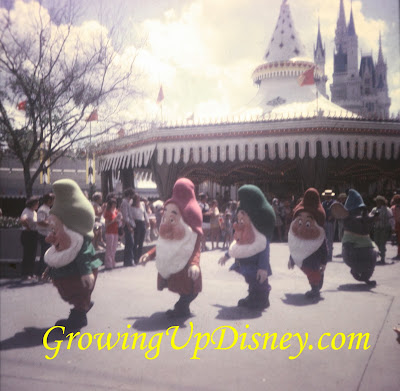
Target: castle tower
{"x":382,"y":91}
{"x":319,"y":60}
{"x":341,"y":29}
{"x":281,"y":87}
{"x":346,"y":83}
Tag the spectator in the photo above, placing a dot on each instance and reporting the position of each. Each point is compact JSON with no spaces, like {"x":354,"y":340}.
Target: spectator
{"x":205,"y":209}
{"x":214,"y":224}
{"x":29,"y":237}
{"x":152,"y":222}
{"x":227,"y":229}
{"x":112,"y":218}
{"x":141,"y":221}
{"x":98,"y":206}
{"x":383,"y":225}
{"x":287,"y":217}
{"x":340,"y":223}
{"x":278,"y":220}
{"x":396,"y":215}
{"x":128,"y":225}
{"x":44,"y":229}
{"x":329,"y":226}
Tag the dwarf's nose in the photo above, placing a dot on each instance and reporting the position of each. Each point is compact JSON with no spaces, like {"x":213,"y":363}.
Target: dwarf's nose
{"x":50,"y":238}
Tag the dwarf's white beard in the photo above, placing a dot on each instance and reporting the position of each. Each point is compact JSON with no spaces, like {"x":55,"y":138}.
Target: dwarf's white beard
{"x":300,"y":249}
{"x":59,"y":259}
{"x":173,"y":255}
{"x":248,"y":250}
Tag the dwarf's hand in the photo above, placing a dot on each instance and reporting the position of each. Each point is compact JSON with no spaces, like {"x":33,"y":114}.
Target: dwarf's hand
{"x":222,"y":260}
{"x":88,"y":281}
{"x":262,"y":275}
{"x":290,"y":264}
{"x":144,"y":259}
{"x":397,"y":331}
{"x":194,"y":272}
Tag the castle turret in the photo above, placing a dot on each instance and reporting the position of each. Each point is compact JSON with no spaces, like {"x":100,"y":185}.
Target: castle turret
{"x":319,"y":60}
{"x":382,"y":91}
{"x":341,"y":29}
{"x":346,"y":82}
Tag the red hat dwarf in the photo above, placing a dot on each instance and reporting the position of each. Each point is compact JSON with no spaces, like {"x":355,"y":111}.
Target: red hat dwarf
{"x":311,"y":203}
{"x":183,"y":196}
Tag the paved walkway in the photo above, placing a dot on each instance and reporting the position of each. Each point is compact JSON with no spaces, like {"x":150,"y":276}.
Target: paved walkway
{"x":127,"y":302}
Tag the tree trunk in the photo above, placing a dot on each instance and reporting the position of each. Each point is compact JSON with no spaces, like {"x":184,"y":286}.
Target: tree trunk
{"x":28,"y":182}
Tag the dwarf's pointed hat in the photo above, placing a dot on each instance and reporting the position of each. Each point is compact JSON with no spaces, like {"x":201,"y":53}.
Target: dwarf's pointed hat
{"x":260,"y":211}
{"x":311,"y":203}
{"x":184,"y":197}
{"x":72,"y":207}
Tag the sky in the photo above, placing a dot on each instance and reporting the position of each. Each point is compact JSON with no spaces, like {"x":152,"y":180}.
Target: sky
{"x":203,"y":52}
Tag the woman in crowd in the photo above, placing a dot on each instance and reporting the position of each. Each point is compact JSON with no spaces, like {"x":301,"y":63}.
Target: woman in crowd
{"x":214,"y":224}
{"x":99,"y":208}
{"x":112,"y":218}
{"x":141,"y":221}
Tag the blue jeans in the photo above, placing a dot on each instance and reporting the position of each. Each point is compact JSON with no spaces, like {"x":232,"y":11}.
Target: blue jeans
{"x":129,"y":248}
{"x":140,"y":231}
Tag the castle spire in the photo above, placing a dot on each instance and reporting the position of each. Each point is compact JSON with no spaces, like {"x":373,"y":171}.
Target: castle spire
{"x":319,"y":46}
{"x":380,"y":54}
{"x":341,"y":29}
{"x":351,"y":30}
{"x":285,"y":43}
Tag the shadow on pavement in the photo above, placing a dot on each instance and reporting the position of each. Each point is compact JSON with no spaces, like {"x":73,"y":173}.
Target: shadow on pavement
{"x":355,"y":287}
{"x":18,"y":283}
{"x":299,"y":299}
{"x":157,"y":321}
{"x":29,"y":338}
{"x":236,"y":313}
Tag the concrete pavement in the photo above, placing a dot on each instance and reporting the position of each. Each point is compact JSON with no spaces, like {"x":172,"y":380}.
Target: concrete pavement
{"x":221,"y":347}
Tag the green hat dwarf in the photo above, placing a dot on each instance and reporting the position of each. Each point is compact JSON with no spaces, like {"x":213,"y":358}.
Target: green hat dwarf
{"x":260,"y":211}
{"x":72,"y":207}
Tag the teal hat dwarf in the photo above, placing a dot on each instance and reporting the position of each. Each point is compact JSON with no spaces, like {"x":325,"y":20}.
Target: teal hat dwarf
{"x":260,"y":211}
{"x":72,"y":207}
{"x":354,"y":200}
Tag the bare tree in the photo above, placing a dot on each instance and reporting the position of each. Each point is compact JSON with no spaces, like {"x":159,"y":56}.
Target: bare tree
{"x":54,"y":75}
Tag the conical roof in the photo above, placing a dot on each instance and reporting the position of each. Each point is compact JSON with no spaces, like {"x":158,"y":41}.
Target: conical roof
{"x":285,"y":43}
{"x":279,"y":90}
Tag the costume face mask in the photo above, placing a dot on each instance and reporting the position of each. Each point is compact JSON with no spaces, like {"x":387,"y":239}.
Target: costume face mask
{"x":305,"y":227}
{"x":244,"y":233}
{"x":57,"y":236}
{"x":171,"y":227}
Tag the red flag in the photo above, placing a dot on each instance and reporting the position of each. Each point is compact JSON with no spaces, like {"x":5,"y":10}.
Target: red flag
{"x":93,"y":116}
{"x":307,"y":77}
{"x":160,"y":97}
{"x":22,"y":105}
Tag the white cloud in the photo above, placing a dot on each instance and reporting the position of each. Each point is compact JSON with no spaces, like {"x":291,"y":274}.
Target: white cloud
{"x":214,"y":46}
{"x":205,"y":52}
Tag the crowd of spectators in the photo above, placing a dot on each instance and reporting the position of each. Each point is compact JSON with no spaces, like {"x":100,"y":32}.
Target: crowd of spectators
{"x":132,"y":220}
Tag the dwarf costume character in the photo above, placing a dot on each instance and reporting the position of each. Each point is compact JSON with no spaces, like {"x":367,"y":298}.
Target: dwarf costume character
{"x":177,"y":251}
{"x":71,"y":258}
{"x":307,"y":241}
{"x":358,"y":249}
{"x":250,"y":248}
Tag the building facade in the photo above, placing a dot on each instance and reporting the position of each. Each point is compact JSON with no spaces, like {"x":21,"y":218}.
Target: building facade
{"x":361,"y":89}
{"x":290,"y":138}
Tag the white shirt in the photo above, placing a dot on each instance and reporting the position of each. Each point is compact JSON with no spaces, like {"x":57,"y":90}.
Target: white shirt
{"x":31,"y":219}
{"x":43,"y":215}
{"x":139,"y":213}
{"x":127,"y":213}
